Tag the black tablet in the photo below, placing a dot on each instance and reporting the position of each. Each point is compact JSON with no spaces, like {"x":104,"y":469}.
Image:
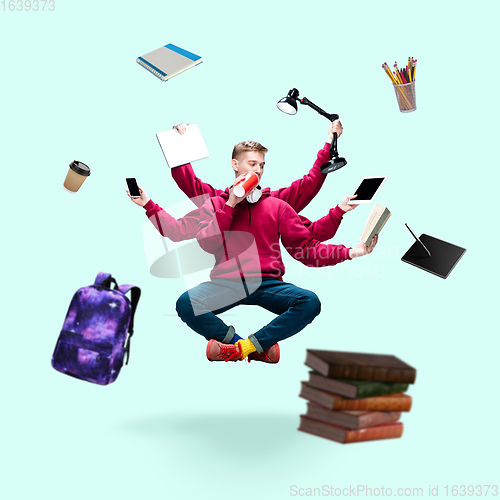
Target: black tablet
{"x":367,"y":189}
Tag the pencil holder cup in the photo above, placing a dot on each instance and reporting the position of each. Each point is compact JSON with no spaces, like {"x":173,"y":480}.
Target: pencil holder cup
{"x":407,"y":99}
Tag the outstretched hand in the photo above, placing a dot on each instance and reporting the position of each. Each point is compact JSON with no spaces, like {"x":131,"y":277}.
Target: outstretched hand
{"x":361,"y":249}
{"x":139,"y":201}
{"x":343,"y":205}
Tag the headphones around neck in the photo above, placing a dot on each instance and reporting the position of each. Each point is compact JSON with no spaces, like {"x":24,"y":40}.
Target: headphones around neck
{"x":255,"y":196}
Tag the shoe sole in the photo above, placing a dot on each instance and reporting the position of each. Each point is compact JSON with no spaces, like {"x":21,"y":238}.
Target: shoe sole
{"x":278,"y":353}
{"x":210,"y":342}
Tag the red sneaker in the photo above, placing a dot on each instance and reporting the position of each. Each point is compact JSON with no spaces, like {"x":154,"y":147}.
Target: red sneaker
{"x":217,"y":351}
{"x":271,"y":355}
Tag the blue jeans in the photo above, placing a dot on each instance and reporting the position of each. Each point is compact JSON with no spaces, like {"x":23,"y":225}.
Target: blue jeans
{"x":296,"y":308}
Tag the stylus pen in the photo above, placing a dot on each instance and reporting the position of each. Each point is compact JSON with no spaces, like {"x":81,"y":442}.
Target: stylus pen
{"x":415,"y":236}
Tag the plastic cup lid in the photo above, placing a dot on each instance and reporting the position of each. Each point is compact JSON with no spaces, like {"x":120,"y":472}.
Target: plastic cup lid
{"x":80,"y":168}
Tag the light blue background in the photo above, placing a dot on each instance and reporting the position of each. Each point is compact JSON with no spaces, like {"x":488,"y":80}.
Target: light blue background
{"x":174,"y":425}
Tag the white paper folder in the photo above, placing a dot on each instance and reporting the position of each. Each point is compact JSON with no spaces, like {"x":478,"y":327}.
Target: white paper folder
{"x":180,"y":149}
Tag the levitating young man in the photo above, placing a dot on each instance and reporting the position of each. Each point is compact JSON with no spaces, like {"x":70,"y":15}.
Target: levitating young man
{"x":229,"y":226}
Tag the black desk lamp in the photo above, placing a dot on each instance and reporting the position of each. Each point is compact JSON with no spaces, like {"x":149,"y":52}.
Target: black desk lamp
{"x":289,"y":106}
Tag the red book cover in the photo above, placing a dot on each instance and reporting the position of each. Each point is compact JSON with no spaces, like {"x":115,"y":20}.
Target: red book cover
{"x":344,"y":435}
{"x":351,"y":419}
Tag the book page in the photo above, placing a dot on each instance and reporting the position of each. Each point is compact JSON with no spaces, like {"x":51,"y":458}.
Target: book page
{"x":370,"y":221}
{"x":377,"y":225}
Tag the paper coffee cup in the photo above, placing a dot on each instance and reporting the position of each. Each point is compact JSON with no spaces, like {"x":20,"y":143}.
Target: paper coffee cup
{"x":77,"y":173}
{"x":247,"y":182}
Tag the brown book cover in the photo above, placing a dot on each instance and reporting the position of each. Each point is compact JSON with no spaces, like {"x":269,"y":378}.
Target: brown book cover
{"x":389,"y":402}
{"x":343,"y":435}
{"x":354,"y":389}
{"x":351,"y":419}
{"x":360,"y":366}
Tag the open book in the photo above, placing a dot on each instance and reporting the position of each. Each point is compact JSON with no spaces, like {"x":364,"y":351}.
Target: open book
{"x":376,"y":221}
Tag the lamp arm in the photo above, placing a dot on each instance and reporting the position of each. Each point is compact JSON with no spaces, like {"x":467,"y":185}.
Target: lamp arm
{"x":309,"y":103}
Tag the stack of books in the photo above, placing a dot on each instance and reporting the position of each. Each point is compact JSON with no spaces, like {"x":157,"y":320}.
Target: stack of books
{"x":354,"y":396}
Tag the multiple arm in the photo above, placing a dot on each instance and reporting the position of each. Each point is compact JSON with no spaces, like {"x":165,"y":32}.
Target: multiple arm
{"x":175,"y":229}
{"x":298,"y":241}
{"x":193,"y":187}
{"x":186,"y":227}
{"x":181,"y":229}
{"x":300,"y":244}
{"x":302,"y":247}
{"x":301,"y":192}
{"x":325,"y":228}
{"x":298,"y":195}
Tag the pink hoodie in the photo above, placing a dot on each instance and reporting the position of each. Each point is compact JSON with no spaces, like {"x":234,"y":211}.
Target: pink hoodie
{"x":245,"y":239}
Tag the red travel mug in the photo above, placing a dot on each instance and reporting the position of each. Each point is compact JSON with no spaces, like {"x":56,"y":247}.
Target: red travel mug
{"x":245,"y":184}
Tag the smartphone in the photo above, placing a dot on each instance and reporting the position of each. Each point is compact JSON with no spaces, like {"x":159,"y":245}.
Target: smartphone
{"x":133,"y":188}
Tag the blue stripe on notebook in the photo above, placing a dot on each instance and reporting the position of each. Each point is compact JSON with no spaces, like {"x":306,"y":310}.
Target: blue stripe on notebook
{"x":183,"y":52}
{"x":152,"y":66}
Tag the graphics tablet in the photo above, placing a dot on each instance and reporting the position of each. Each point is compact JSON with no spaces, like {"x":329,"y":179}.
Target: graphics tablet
{"x":367,"y":189}
{"x":444,"y":256}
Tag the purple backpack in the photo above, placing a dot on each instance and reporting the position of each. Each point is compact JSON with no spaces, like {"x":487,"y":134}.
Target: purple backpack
{"x":96,"y":332}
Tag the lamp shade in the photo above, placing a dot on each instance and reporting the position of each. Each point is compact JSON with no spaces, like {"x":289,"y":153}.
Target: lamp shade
{"x":289,"y":103}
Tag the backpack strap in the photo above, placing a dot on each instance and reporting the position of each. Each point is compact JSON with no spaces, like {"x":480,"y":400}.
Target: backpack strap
{"x":135,"y":293}
{"x":101,"y":277}
{"x":105,"y":280}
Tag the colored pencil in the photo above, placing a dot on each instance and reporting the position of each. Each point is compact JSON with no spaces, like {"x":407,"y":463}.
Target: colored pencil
{"x":403,"y":76}
{"x":385,"y":66}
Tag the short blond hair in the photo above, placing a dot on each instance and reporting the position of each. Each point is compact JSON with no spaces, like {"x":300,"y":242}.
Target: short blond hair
{"x":244,"y":146}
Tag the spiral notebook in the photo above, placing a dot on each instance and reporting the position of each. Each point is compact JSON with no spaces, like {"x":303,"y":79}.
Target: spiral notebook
{"x":168,"y":61}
